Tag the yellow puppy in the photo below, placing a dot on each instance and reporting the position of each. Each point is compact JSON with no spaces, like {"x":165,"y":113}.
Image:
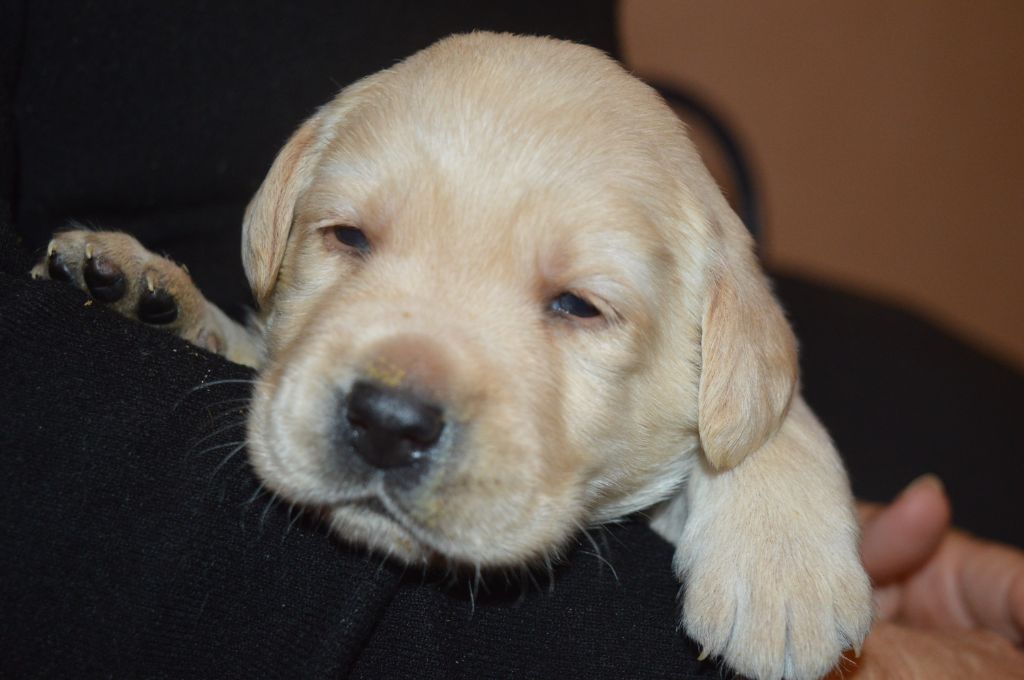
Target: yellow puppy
{"x":501,"y":299}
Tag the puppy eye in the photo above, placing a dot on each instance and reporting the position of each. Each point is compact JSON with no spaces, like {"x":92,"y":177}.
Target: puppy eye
{"x":352,"y":237}
{"x":568,"y":304}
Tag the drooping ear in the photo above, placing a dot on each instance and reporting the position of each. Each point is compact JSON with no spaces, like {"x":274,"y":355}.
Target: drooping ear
{"x":749,"y":367}
{"x":268,"y":218}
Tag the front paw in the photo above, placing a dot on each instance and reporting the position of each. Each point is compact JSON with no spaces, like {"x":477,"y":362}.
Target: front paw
{"x":114,"y":269}
{"x":779,"y":609}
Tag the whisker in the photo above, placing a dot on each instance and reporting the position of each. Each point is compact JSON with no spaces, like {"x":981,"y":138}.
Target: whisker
{"x":242,"y":400}
{"x":603,"y":561}
{"x":298,"y":512}
{"x":533,"y":580}
{"x":295,"y":513}
{"x":219,"y":430}
{"x":259,"y":490}
{"x":472,"y":592}
{"x":606,"y":533}
{"x":482,"y":581}
{"x":383,"y":561}
{"x":207,"y":385}
{"x":598,"y":555}
{"x":523,"y":588}
{"x":450,"y":574}
{"x":233,"y":400}
{"x":204,"y":386}
{"x":234,"y":452}
{"x":274,"y":498}
{"x":550,"y":569}
{"x":218,"y":446}
{"x":215,"y":419}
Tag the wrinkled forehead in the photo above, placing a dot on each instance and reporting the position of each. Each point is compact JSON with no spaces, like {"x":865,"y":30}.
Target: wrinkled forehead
{"x":529,"y":214}
{"x":581,"y":162}
{"x":510,"y":226}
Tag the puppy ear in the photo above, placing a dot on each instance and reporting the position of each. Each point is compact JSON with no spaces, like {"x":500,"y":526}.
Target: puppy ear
{"x":268,"y":218}
{"x":748,"y":354}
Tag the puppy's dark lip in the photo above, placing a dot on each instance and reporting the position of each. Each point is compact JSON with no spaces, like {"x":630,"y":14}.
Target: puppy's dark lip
{"x":383,"y":507}
{"x":374,"y":505}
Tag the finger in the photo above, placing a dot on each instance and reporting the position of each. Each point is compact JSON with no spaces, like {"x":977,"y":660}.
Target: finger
{"x":902,"y":536}
{"x":992,"y":581}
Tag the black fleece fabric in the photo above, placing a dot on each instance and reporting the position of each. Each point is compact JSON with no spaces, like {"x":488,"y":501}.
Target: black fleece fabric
{"x":134,"y":539}
{"x":137,"y":543}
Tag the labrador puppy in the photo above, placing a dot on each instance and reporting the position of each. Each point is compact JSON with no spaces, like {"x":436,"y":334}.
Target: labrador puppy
{"x":501,"y":299}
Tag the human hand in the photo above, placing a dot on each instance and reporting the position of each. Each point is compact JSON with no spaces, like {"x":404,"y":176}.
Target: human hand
{"x":949,"y":605}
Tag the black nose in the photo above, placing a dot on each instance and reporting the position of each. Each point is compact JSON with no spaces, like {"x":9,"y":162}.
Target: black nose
{"x":391,"y":427}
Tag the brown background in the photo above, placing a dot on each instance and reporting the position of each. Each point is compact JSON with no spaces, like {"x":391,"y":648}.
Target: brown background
{"x":887,"y":138}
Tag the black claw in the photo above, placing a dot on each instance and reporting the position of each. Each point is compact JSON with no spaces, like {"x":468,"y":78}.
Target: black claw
{"x":157,"y":307}
{"x":105,"y":281}
{"x":58,"y":269}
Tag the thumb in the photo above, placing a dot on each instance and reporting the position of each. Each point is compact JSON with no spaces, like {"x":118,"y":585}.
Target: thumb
{"x":900,"y":537}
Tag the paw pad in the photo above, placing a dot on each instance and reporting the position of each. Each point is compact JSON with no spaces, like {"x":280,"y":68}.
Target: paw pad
{"x":157,"y":307}
{"x":57,"y":268}
{"x":106,"y":283}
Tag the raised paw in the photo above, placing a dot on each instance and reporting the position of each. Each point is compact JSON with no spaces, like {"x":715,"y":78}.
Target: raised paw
{"x":114,"y":268}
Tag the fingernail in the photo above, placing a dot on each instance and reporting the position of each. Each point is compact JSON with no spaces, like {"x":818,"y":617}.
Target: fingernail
{"x":929,"y":479}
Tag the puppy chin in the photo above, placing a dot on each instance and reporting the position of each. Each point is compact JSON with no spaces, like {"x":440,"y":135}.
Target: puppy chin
{"x":381,"y":533}
{"x":388,"y":531}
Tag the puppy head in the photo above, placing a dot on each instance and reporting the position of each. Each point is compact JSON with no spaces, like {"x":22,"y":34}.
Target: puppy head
{"x":502,"y":299}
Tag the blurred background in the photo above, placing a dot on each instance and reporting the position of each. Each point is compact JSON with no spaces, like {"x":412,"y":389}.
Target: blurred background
{"x":886,"y":139}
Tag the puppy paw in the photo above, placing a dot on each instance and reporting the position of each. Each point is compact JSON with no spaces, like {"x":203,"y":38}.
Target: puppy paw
{"x":114,"y":269}
{"x":788,"y":609}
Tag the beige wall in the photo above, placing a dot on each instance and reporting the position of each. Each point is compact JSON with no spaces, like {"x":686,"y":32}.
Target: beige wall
{"x":888,"y":138}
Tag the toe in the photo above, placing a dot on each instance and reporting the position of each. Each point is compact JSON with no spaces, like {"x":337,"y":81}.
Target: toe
{"x":58,"y":268}
{"x":157,"y":306}
{"x":105,"y":281}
